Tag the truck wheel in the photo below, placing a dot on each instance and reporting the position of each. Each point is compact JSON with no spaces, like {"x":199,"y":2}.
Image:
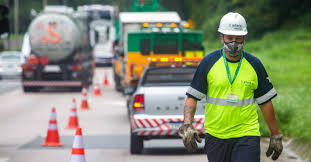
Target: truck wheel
{"x":118,"y":86}
{"x":31,"y":89}
{"x":90,"y":82}
{"x":137,"y":144}
{"x":27,"y":89}
{"x":76,"y":89}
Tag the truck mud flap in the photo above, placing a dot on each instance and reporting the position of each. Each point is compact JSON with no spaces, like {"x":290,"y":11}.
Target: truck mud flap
{"x":52,"y":83}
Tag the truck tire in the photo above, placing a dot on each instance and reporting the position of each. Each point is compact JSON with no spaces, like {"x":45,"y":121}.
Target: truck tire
{"x":76,"y":89}
{"x":117,"y":80}
{"x":136,"y":144}
{"x":90,"y":81}
{"x":31,"y":89}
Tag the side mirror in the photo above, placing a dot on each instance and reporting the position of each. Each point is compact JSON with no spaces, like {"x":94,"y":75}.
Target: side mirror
{"x":120,"y":51}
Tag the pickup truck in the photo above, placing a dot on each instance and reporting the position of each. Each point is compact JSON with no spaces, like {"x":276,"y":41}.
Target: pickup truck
{"x":156,"y":107}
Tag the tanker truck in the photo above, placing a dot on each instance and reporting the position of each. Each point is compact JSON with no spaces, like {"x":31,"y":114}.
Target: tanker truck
{"x":61,"y":55}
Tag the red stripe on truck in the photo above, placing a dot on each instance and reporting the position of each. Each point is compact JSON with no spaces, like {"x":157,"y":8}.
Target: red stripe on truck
{"x":141,"y":122}
{"x":149,"y":123}
{"x":49,"y":83}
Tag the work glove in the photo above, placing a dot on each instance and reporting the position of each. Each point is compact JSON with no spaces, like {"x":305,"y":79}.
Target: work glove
{"x":189,"y":137}
{"x":275,"y":146}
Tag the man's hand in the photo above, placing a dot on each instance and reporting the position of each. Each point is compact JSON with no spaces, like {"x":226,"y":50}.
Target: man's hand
{"x":189,"y":137}
{"x":275,"y":146}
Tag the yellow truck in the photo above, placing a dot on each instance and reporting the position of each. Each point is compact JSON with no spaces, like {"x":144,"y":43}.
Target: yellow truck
{"x":147,"y":34}
{"x":164,"y":41}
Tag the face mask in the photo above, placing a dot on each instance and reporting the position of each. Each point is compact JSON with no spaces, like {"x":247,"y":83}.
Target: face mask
{"x":233,"y":48}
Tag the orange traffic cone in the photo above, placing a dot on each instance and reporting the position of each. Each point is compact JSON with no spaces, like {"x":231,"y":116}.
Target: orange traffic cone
{"x":52,"y":138}
{"x":73,"y":122}
{"x":77,"y":154}
{"x":106,"y":82}
{"x":84,"y":103}
{"x":97,"y":90}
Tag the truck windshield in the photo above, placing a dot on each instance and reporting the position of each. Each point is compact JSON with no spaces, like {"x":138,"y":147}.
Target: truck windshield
{"x":165,"y":46}
{"x":169,"y":76}
{"x":100,"y":14}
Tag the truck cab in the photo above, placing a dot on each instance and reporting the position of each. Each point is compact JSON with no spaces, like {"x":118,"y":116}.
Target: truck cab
{"x":153,"y":41}
{"x":132,"y":22}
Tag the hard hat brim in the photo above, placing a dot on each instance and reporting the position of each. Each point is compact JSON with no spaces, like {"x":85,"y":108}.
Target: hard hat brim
{"x":226,"y":32}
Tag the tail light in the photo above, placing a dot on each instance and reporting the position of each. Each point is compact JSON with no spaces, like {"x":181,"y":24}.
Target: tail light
{"x":76,"y":67}
{"x":27,"y":67}
{"x":44,"y":60}
{"x":138,"y":104}
{"x":33,"y":60}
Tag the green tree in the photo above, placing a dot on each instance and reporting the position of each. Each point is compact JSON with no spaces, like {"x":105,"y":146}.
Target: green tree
{"x":261,"y":15}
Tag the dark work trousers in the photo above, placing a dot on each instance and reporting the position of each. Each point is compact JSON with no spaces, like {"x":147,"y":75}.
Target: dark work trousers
{"x":244,"y":149}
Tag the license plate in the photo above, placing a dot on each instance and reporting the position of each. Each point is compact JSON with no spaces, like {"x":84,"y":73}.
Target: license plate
{"x":176,"y":125}
{"x":51,"y":68}
{"x":28,"y":74}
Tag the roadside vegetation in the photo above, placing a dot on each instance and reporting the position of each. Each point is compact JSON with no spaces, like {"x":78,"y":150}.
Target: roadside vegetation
{"x":286,"y":55}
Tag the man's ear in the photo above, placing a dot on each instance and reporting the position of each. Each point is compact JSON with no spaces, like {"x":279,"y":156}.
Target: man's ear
{"x":221,"y":39}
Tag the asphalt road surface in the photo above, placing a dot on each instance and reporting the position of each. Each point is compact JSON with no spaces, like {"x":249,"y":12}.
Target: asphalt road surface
{"x":8,"y":85}
{"x":24,"y":121}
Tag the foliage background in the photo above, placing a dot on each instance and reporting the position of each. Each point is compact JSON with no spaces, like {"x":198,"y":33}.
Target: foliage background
{"x":261,"y":15}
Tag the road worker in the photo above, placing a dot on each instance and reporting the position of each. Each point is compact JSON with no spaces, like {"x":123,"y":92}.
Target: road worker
{"x":232,"y":81}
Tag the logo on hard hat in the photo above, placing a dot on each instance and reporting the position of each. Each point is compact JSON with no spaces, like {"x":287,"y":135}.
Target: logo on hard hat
{"x":236,"y":26}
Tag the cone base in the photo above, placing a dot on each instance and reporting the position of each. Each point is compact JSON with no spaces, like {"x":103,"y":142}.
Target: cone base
{"x":84,"y":105}
{"x":85,"y":108}
{"x":97,"y":93}
{"x":72,"y":127}
{"x":52,"y":144}
{"x":77,"y":158}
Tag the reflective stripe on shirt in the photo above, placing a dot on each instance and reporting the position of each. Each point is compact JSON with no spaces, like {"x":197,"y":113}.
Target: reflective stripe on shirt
{"x":224,"y":102}
{"x":195,"y":93}
{"x":266,"y":96}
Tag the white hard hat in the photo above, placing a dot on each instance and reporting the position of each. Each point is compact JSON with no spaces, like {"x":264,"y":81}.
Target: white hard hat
{"x":232,"y":24}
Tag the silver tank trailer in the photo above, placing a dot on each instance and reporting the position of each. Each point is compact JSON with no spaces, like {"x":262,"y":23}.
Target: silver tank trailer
{"x":56,"y":35}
